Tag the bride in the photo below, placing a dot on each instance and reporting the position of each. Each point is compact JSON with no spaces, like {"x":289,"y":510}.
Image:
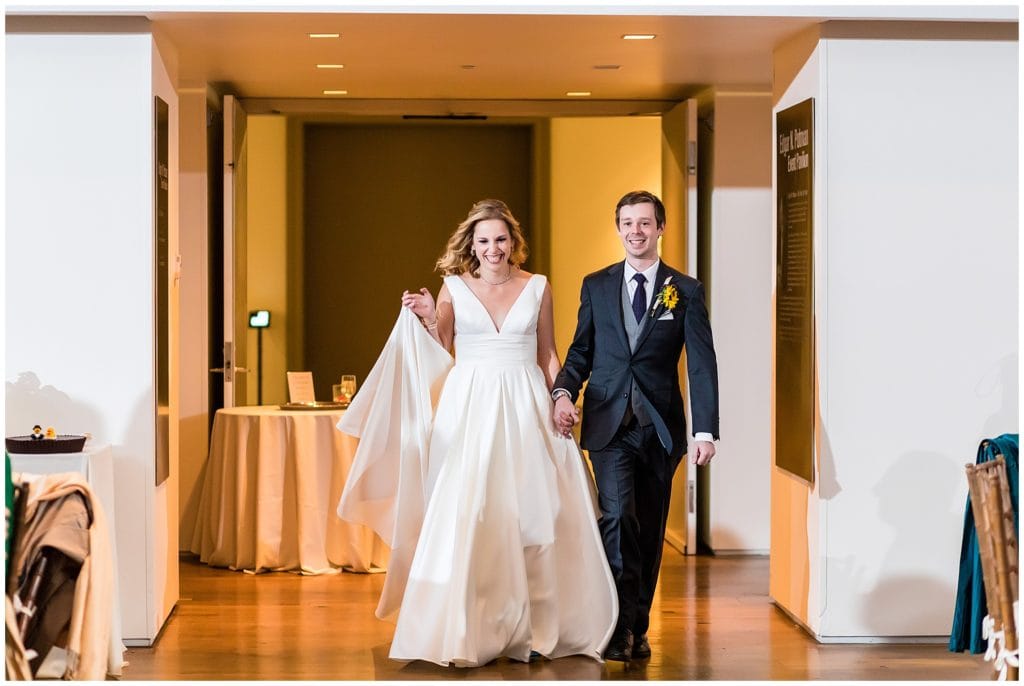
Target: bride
{"x":488,"y":510}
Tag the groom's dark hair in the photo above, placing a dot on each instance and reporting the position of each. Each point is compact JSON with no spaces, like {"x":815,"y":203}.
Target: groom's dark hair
{"x":637,"y":197}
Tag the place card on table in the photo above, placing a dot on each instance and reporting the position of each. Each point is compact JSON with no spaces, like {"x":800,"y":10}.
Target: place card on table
{"x":300,"y":387}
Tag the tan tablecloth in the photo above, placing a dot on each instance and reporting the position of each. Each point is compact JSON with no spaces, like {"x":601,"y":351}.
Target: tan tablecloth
{"x":270,"y":493}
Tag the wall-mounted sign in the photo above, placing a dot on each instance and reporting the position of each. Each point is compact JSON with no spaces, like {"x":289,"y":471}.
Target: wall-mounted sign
{"x":161,"y":183}
{"x":794,"y":290}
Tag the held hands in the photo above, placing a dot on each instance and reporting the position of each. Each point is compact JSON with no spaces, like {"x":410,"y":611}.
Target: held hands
{"x":702,"y":452}
{"x":565,"y":415}
{"x":421,"y":304}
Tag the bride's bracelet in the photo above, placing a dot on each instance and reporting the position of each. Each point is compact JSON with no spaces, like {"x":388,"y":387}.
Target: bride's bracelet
{"x":432,"y":325}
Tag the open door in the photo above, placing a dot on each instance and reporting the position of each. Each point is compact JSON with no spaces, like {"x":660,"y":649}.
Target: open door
{"x":679,"y":247}
{"x":234,"y":366}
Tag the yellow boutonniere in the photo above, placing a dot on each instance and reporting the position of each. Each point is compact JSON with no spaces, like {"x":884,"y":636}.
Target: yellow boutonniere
{"x":668,"y":297}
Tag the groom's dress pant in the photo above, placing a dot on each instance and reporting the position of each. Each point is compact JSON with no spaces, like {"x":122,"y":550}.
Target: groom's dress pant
{"x":634,"y":483}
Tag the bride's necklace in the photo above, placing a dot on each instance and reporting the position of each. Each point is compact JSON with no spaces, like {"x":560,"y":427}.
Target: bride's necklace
{"x":498,"y":283}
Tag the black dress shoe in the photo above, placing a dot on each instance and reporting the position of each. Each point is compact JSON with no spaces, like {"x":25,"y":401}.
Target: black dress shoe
{"x":620,"y":648}
{"x":641,"y":648}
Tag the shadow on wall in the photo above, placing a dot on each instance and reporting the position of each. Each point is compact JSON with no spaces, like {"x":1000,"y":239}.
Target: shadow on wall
{"x":30,"y":403}
{"x":828,"y":483}
{"x":916,"y":499}
{"x":138,"y":444}
{"x":1002,"y":380}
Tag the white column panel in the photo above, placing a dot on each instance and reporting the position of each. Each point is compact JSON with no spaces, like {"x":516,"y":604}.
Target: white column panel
{"x":921,"y":329}
{"x":79,"y":266}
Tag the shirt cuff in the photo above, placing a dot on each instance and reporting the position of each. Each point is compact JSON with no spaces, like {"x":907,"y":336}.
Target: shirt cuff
{"x":703,"y":436}
{"x":558,"y":392}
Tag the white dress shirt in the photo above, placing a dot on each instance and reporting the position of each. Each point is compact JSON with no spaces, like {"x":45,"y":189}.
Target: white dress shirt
{"x":651,"y":273}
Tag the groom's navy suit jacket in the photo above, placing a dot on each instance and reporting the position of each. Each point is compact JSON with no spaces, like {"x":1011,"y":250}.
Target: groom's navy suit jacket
{"x":600,"y":350}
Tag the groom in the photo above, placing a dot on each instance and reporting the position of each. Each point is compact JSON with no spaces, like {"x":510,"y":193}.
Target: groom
{"x":635,"y":317}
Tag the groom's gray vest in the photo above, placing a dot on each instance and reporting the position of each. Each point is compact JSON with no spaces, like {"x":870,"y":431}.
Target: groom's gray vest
{"x":636,"y":406}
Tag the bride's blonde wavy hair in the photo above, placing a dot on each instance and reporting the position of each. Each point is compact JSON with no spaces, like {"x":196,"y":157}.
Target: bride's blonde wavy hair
{"x":458,"y":257}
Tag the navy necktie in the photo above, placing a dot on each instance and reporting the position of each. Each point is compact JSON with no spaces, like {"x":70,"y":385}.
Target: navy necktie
{"x":639,"y":297}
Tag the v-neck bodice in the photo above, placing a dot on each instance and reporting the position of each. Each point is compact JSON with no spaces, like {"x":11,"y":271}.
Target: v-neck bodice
{"x":477,"y":338}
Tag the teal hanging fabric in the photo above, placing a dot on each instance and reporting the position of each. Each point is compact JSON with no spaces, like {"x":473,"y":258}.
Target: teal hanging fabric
{"x":8,"y":505}
{"x":971,"y":607}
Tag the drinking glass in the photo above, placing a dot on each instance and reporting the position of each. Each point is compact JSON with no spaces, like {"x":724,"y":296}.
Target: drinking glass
{"x":348,"y":387}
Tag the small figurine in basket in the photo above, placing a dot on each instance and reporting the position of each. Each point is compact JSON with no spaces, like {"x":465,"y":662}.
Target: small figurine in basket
{"x":51,"y":433}
{"x":37,"y":432}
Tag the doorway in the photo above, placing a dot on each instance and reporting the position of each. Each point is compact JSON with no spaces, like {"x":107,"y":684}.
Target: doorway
{"x":566,"y":173}
{"x":379,"y":203}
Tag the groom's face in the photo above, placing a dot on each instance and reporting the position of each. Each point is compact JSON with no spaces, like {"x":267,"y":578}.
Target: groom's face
{"x":639,"y":230}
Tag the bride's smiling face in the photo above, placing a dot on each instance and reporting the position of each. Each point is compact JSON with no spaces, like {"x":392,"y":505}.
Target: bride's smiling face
{"x":492,"y":243}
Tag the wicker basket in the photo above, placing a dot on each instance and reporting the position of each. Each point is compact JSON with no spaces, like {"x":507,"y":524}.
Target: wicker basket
{"x":27,"y":445}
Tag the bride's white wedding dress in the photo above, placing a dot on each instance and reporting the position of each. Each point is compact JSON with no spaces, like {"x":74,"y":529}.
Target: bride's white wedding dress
{"x":490,"y":513}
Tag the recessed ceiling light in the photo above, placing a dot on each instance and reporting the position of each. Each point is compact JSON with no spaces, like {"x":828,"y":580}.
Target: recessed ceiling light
{"x":335,"y":92}
{"x":330,"y":66}
{"x":638,"y":36}
{"x":325,"y":35}
{"x":578,"y":94}
{"x":607,"y":66}
{"x":468,"y":66}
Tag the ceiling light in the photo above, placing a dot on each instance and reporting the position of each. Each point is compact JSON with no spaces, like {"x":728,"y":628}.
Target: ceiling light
{"x":335,"y":92}
{"x":325,"y":35}
{"x":607,"y":66}
{"x":638,"y":36}
{"x":330,"y":66}
{"x":468,"y":66}
{"x":578,"y":94}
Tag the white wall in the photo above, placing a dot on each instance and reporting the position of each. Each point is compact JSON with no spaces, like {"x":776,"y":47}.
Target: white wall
{"x":740,"y":292}
{"x":916,"y":274}
{"x":921,"y":316}
{"x":79,"y":269}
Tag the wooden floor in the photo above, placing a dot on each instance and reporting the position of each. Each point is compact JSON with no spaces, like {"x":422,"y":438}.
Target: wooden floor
{"x":713,"y":620}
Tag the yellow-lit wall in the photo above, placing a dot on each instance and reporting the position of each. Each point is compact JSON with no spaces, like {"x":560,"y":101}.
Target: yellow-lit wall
{"x":594,"y":162}
{"x":194,"y":332}
{"x":267,"y":283}
{"x":789,"y":576}
{"x":674,"y":249}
